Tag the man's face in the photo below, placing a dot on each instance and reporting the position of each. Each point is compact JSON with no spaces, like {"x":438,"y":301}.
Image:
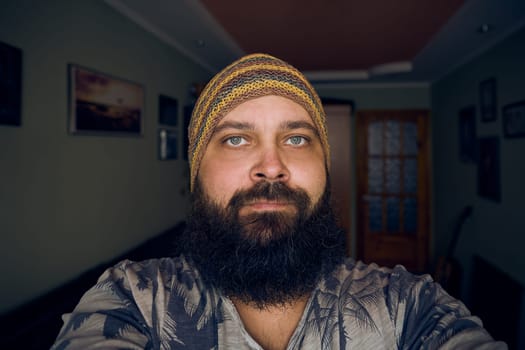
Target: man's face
{"x":267,"y":139}
{"x":261,"y":228}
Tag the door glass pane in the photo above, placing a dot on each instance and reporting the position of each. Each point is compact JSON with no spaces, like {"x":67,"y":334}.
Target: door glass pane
{"x":410,"y":139}
{"x":393,"y":175}
{"x":375,"y":175}
{"x":375,"y":214}
{"x":410,"y":215}
{"x":375,"y":138}
{"x":392,"y":210}
{"x":410,"y":175}
{"x":392,"y":137}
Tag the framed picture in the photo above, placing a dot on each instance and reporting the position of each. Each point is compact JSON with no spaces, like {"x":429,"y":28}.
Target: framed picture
{"x":467,"y":135}
{"x":10,"y":85}
{"x":168,"y":110}
{"x":167,"y":144}
{"x":103,"y":104}
{"x":488,"y":105}
{"x":514,"y":120}
{"x":489,"y":168}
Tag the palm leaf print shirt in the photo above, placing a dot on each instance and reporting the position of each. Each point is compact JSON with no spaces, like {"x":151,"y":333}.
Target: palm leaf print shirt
{"x":163,"y":304}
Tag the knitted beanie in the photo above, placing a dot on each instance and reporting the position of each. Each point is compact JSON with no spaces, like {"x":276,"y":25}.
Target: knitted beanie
{"x":251,"y":76}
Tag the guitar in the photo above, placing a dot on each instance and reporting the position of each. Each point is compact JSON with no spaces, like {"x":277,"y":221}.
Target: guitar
{"x":448,"y":270}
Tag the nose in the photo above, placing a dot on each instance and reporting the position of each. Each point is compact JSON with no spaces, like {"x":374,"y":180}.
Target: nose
{"x":270,"y":166}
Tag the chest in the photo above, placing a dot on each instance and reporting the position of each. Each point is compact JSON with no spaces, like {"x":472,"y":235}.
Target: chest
{"x":272,"y":335}
{"x":269,"y":329}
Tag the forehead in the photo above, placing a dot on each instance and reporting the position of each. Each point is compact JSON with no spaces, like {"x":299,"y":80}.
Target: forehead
{"x":266,"y":109}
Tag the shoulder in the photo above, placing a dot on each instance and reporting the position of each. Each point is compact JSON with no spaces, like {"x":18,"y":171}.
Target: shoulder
{"x":139,"y":303}
{"x":410,"y":310}
{"x":391,"y":287}
{"x":359,"y":274}
{"x":163,"y":266}
{"x":149,"y":273}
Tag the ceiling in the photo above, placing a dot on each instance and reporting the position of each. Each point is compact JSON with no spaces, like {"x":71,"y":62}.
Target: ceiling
{"x":333,"y":41}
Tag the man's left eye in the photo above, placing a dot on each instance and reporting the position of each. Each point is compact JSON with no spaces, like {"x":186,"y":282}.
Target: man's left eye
{"x":296,"y":140}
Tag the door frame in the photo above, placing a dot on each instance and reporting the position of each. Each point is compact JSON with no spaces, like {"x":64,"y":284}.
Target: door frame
{"x":350,"y":231}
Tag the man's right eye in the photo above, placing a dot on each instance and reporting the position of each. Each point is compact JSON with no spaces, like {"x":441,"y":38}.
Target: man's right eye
{"x":235,"y":141}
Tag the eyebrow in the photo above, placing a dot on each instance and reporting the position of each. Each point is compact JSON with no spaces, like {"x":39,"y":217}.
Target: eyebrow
{"x":234,"y":125}
{"x":301,"y":124}
{"x":286,"y":125}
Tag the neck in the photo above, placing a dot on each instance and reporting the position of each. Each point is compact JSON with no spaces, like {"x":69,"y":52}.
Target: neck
{"x":271,"y":326}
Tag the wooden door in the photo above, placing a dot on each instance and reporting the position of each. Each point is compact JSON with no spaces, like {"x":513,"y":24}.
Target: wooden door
{"x":393,"y":188}
{"x":338,"y":120}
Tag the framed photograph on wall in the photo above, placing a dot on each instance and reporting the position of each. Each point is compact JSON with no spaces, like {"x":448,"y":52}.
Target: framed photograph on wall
{"x":10,"y":85}
{"x":167,"y":144}
{"x":103,"y":104}
{"x":488,"y":105}
{"x":467,"y":135}
{"x":168,"y":111}
{"x":489,"y":168}
{"x":514,"y":120}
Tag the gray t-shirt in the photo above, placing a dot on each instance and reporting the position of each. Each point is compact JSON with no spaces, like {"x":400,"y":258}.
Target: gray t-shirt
{"x":163,"y":304}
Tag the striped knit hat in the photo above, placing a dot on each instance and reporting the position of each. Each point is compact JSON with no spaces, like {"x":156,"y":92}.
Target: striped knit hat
{"x":251,"y":76}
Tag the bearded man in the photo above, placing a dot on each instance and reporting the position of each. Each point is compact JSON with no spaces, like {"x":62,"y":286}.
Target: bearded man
{"x":263,"y":264}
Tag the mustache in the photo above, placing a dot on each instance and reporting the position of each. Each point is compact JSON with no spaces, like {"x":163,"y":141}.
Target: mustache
{"x":271,"y":191}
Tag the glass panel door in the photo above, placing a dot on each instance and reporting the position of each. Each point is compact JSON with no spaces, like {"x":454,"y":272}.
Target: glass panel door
{"x":392,"y":187}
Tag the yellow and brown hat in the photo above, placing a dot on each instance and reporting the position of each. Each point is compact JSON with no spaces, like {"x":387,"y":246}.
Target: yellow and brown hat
{"x":251,"y":76}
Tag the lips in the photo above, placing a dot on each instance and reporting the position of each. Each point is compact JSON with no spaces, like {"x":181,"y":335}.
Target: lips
{"x":263,"y":205}
{"x":268,"y":204}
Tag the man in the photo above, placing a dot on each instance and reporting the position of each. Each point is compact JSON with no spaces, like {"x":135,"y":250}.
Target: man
{"x":263,"y":264}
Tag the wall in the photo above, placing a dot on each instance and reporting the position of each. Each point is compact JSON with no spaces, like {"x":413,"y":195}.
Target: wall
{"x":381,"y":96}
{"x":496,"y":230}
{"x":69,"y":202}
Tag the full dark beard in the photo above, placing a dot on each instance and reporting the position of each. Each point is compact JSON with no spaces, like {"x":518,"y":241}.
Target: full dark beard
{"x":264,"y":259}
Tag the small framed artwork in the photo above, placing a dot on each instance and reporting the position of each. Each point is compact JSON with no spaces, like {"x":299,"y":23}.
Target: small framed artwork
{"x":10,"y":85}
{"x":488,"y":105}
{"x":489,"y":168}
{"x":467,"y":135}
{"x":167,"y":144}
{"x":168,"y":111}
{"x":514,"y":120}
{"x":102,"y":104}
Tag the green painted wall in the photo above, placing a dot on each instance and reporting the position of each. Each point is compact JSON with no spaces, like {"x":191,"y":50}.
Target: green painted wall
{"x":496,"y":231}
{"x":69,"y":202}
{"x":381,"y":96}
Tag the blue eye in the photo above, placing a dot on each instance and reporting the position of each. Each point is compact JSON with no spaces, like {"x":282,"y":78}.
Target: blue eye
{"x":235,"y":140}
{"x":297,"y":140}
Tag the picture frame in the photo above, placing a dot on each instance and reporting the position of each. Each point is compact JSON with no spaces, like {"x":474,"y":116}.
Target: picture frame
{"x":100,"y":103}
{"x":168,"y":110}
{"x":168,"y":144}
{"x":513,"y":120}
{"x":488,"y":104}
{"x":489,"y":185}
{"x":10,"y":85}
{"x":467,"y":135}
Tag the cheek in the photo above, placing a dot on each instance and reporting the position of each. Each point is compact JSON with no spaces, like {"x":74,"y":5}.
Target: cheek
{"x":312,"y":179}
{"x":220,"y":179}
